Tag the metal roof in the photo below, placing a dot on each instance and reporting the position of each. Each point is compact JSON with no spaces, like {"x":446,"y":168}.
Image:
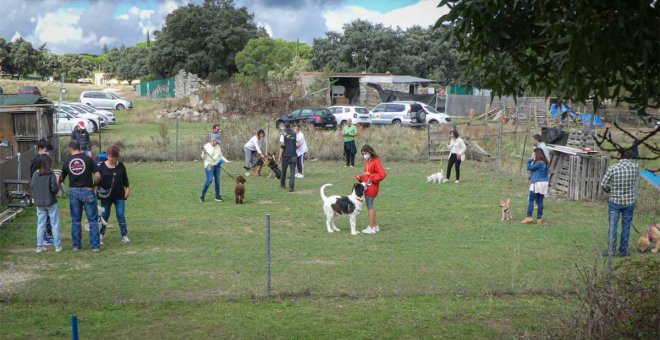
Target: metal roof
{"x":383,"y":78}
{"x":21,"y":100}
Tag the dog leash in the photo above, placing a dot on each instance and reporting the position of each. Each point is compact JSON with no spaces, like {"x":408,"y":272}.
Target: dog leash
{"x":226,"y":172}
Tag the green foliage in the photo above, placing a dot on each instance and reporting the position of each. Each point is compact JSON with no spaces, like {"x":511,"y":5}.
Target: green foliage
{"x":203,"y":39}
{"x":128,"y":63}
{"x":364,"y":46}
{"x":73,"y":67}
{"x":567,"y":48}
{"x":47,"y":64}
{"x":23,"y":57}
{"x":263,"y":56}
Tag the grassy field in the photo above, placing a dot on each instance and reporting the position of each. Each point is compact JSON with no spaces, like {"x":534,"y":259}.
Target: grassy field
{"x":443,"y":265}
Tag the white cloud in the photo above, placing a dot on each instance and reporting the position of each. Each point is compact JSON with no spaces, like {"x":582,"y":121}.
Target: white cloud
{"x":15,"y":36}
{"x":60,"y":29}
{"x":424,"y":13}
{"x":124,"y":17}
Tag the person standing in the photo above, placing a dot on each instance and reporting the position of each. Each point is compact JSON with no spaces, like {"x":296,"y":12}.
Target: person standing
{"x":538,"y":188}
{"x":84,"y":174}
{"x":538,"y":143}
{"x":457,"y":150}
{"x":81,"y":135}
{"x":350,"y":132}
{"x":43,"y":148}
{"x":216,"y":131}
{"x":300,"y":151}
{"x":113,"y":189}
{"x":288,"y":156}
{"x":620,"y":181}
{"x":373,"y":174}
{"x":213,"y":160}
{"x":44,"y":191}
{"x":251,"y":149}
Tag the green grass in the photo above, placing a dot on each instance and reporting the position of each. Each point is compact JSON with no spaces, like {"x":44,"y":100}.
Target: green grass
{"x":443,"y":265}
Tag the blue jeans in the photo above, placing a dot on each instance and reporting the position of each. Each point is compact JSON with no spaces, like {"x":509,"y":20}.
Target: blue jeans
{"x":84,"y":199}
{"x":120,"y":208}
{"x":530,"y":204}
{"x":626,"y":212}
{"x":42,"y":215}
{"x":213,"y":173}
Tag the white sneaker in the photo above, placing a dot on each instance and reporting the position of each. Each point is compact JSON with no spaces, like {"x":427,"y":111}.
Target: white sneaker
{"x":58,"y":249}
{"x":101,"y":239}
{"x":457,"y":182}
{"x":125,"y":239}
{"x":300,"y":176}
{"x":369,"y":230}
{"x":41,"y":249}
{"x":377,"y":229}
{"x":247,"y":174}
{"x":444,"y":180}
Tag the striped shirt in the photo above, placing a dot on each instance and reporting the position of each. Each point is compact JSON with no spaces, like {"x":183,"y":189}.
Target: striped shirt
{"x":620,"y":181}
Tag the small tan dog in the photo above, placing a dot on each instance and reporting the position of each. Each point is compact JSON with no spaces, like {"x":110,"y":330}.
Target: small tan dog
{"x":650,"y":235}
{"x":506,"y":209}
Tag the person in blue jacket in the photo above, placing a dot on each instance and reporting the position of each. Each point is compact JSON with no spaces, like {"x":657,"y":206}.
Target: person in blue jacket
{"x":538,"y":188}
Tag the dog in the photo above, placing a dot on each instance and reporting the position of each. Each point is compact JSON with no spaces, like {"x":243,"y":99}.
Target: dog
{"x":437,"y":177}
{"x":101,"y":221}
{"x":506,"y":209}
{"x":256,"y":169}
{"x":239,"y":190}
{"x":652,"y":234}
{"x":270,"y":162}
{"x":338,"y":205}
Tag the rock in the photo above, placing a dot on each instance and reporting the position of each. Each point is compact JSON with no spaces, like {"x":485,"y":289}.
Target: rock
{"x":194,"y":100}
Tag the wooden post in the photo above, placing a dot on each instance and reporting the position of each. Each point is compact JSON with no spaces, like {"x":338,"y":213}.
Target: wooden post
{"x":40,"y":125}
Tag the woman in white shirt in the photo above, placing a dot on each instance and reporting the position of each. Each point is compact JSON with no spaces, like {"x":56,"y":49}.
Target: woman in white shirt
{"x":300,"y":151}
{"x":456,"y":154}
{"x":253,"y":148}
{"x":213,"y":159}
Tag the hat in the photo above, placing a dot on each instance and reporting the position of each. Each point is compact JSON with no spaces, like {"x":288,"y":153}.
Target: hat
{"x":81,"y":124}
{"x":215,"y":137}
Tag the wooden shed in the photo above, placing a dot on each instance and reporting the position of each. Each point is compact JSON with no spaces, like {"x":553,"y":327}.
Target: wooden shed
{"x":24,"y":119}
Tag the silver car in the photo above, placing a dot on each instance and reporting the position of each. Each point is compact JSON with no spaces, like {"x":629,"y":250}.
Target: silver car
{"x":104,"y":100}
{"x":398,"y":113}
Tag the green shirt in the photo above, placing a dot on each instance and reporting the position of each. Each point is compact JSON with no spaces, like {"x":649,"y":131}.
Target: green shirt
{"x":349,"y":130}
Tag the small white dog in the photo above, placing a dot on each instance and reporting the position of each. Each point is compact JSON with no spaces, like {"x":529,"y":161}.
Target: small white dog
{"x":101,"y":221}
{"x":437,"y":177}
{"x":337,"y":205}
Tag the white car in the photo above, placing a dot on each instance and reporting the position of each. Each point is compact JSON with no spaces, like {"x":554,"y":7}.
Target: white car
{"x":98,"y":121}
{"x":108,"y":114}
{"x":64,"y":123}
{"x":359,"y":114}
{"x":435,"y":117}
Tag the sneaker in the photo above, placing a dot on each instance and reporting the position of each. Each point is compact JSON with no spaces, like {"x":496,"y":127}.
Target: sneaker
{"x":527,"y":220}
{"x":246,"y":174}
{"x":377,"y":229}
{"x":300,"y":176}
{"x":291,"y":190}
{"x":457,"y":181}
{"x":444,"y":180}
{"x":101,"y":239}
{"x":41,"y":249}
{"x":369,"y":230}
{"x":351,"y":166}
{"x":246,"y":168}
{"x":218,"y":198}
{"x":48,"y":241}
{"x":125,"y":239}
{"x":96,"y":250}
{"x":58,"y":249}
{"x":201,"y":199}
{"x":606,"y":254}
{"x":75,"y":249}
{"x":539,"y":221}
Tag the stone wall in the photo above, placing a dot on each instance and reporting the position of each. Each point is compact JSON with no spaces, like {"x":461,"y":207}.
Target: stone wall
{"x":185,"y":84}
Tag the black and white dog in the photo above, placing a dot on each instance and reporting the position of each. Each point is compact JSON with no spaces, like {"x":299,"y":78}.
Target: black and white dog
{"x":337,"y":205}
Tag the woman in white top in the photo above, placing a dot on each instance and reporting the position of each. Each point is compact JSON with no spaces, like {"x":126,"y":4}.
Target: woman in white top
{"x":213,"y":159}
{"x":253,"y":148}
{"x":300,"y":151}
{"x":456,"y":154}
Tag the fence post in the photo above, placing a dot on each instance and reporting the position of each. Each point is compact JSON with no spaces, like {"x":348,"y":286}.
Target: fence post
{"x":74,"y":327}
{"x":176,"y":142}
{"x":522,"y":156}
{"x":268,"y":285}
{"x":498,"y":153}
{"x":100,"y":141}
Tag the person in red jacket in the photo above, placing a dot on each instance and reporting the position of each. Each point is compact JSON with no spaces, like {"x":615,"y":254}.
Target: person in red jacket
{"x":374,"y":172}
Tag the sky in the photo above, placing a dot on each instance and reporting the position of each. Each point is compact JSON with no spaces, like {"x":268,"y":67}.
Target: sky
{"x":85,"y":26}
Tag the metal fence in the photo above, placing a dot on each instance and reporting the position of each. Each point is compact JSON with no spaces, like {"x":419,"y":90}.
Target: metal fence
{"x":16,"y":167}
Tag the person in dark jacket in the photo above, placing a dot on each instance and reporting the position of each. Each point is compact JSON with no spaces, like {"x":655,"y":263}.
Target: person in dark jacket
{"x":44,"y":191}
{"x":113,"y":189}
{"x":43,"y":147}
{"x":288,"y":156}
{"x":82,"y":136}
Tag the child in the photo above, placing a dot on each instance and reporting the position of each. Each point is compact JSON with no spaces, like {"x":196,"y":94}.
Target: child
{"x":44,"y":191}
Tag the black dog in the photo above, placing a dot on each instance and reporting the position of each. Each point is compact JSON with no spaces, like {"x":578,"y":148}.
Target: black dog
{"x":270,"y":162}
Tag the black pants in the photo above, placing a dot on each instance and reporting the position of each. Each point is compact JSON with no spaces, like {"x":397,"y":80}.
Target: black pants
{"x":454,"y":159}
{"x":290,"y":164}
{"x":349,"y":148}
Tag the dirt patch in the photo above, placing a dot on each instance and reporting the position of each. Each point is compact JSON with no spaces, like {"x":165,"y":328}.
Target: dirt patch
{"x":500,"y":325}
{"x":19,"y":250}
{"x":15,"y":274}
{"x":265,"y":202}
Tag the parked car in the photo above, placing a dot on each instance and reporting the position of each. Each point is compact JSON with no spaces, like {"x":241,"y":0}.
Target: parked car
{"x":29,"y":90}
{"x":398,"y":113}
{"x":98,"y":122}
{"x":359,"y":114}
{"x":1,"y":91}
{"x":107,"y":114}
{"x":315,"y":116}
{"x":432,"y":115}
{"x":104,"y":100}
{"x":65,"y":122}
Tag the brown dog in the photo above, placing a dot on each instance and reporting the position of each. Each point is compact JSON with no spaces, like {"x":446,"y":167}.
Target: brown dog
{"x":239,"y":190}
{"x":651,"y":235}
{"x":506,"y":209}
